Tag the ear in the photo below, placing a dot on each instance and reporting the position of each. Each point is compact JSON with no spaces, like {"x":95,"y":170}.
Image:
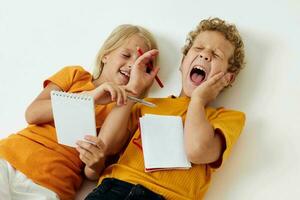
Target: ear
{"x":232,"y":79}
{"x":104,"y":59}
{"x":182,"y":59}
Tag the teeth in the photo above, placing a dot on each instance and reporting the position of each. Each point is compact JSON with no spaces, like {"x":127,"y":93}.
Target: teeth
{"x":125,"y":73}
{"x":199,"y":67}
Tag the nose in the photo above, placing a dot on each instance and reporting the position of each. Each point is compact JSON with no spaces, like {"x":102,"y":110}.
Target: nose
{"x":130,"y":63}
{"x":205,"y":55}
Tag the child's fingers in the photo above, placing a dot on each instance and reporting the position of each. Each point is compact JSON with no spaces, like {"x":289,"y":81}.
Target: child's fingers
{"x":112,"y":92}
{"x":96,"y":141}
{"x":121,"y":95}
{"x":224,"y":81}
{"x":119,"y":99}
{"x":146,"y":58}
{"x":154,"y":72}
{"x":84,"y":159}
{"x":87,"y":146}
{"x":90,"y":152}
{"x":100,"y":144}
{"x":91,"y":138}
{"x":124,"y":95}
{"x":215,"y":78}
{"x":84,"y":155}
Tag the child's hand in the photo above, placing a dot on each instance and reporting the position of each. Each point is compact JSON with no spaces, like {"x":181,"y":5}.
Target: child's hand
{"x":139,"y":78}
{"x":108,"y":92}
{"x":210,"y":89}
{"x":92,"y":154}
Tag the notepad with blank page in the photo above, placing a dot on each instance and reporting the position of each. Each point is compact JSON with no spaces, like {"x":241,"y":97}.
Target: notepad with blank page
{"x":163,"y":143}
{"x":74,"y":116}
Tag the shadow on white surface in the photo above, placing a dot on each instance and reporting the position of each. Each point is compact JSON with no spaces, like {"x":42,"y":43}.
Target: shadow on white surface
{"x":86,"y":188}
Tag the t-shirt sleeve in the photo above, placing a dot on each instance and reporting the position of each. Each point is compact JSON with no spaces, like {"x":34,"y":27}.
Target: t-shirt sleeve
{"x":68,"y":76}
{"x":229,"y":124}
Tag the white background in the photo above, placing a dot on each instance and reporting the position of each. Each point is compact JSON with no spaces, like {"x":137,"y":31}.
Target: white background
{"x":37,"y":38}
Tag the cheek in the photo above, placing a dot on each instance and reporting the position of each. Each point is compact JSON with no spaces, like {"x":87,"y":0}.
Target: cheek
{"x":111,"y":68}
{"x":115,"y":63}
{"x":217,"y":67}
{"x":225,"y":67}
{"x":220,"y":66}
{"x":184,"y":69}
{"x":185,"y":64}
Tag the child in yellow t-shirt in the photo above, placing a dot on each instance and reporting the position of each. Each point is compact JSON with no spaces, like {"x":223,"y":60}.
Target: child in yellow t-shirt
{"x":212,"y":57}
{"x":32,"y":164}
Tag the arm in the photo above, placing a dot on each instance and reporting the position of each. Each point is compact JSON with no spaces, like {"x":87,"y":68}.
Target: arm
{"x":110,"y":140}
{"x":93,"y":155}
{"x":114,"y":133}
{"x":203,"y":145}
{"x":94,"y":152}
{"x":40,"y":110}
{"x":114,"y":130}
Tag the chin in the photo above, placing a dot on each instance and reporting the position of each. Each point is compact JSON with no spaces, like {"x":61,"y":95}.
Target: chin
{"x":122,"y":82}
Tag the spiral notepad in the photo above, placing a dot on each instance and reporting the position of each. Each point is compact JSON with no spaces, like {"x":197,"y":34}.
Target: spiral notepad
{"x":74,"y":116}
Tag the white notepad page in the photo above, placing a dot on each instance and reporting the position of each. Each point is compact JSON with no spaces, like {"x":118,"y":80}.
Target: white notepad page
{"x":74,"y":116}
{"x":162,"y":141}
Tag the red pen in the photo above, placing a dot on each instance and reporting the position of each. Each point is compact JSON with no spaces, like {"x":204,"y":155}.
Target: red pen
{"x":150,"y":66}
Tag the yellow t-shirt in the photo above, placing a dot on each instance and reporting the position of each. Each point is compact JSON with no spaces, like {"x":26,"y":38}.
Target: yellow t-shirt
{"x":173,"y":184}
{"x":35,"y":152}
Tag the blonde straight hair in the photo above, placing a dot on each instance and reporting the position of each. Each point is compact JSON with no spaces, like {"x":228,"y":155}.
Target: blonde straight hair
{"x":117,"y":38}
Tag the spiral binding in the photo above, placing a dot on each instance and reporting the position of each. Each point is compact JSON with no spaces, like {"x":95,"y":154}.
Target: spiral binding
{"x":75,"y":96}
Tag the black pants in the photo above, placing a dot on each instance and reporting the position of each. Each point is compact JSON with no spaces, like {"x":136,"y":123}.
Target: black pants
{"x":114,"y":189}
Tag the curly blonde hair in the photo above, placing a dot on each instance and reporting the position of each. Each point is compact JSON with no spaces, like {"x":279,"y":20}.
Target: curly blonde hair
{"x":236,"y":62}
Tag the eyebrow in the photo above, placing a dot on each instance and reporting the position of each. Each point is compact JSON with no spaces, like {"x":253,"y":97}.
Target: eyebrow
{"x":125,"y":49}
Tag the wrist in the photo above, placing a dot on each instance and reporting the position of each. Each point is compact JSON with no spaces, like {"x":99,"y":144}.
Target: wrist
{"x":198,"y":100}
{"x":136,"y":91}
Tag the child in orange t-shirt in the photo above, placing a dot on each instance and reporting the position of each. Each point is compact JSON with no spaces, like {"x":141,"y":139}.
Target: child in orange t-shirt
{"x":212,"y":57}
{"x":32,"y":164}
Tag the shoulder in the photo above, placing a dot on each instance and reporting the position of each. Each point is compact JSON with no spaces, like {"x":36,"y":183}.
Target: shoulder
{"x":74,"y":69}
{"x":225,"y":112}
{"x":230,"y":122}
{"x":75,"y":72}
{"x":68,"y":75}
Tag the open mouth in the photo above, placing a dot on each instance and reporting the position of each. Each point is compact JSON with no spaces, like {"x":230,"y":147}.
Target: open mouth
{"x":125,"y":74}
{"x":198,"y":75}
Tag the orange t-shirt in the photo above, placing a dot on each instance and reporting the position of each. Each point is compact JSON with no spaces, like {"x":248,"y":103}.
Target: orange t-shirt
{"x":35,"y":152}
{"x":188,"y":184}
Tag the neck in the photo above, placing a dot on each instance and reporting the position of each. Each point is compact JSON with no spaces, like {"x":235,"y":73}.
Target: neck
{"x":100,"y":80}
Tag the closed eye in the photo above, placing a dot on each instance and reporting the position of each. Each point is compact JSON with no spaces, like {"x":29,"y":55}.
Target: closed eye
{"x":125,"y":55}
{"x":198,"y":48}
{"x":216,"y":55}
